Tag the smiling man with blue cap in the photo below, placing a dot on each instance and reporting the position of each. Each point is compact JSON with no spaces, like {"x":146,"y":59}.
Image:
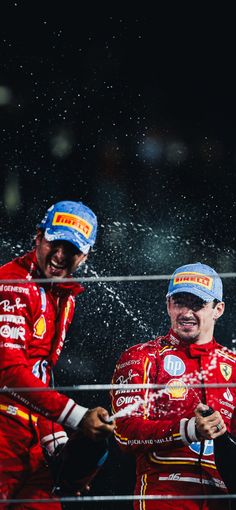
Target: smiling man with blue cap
{"x":167,"y":432}
{"x":72,"y":225}
{"x":34,"y":320}
{"x":73,"y":222}
{"x":194,"y":301}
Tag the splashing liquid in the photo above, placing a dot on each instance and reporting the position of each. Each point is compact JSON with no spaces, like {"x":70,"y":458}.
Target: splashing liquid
{"x":115,"y":296}
{"x":131,"y":409}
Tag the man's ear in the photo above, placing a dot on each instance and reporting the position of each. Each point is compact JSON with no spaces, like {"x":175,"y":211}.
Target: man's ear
{"x":39,"y":236}
{"x":219,"y":310}
{"x":168,"y":306}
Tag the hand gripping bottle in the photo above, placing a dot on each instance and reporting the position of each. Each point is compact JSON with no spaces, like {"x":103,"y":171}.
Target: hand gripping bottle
{"x":225,"y":457}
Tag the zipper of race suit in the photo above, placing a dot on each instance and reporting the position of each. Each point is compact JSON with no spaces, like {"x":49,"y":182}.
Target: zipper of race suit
{"x":52,"y":385}
{"x":202,"y":443}
{"x":52,"y":378}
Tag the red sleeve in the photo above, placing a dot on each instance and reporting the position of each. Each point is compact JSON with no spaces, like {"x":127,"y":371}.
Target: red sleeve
{"x":18,"y":306}
{"x":144,"y":428}
{"x":48,"y":403}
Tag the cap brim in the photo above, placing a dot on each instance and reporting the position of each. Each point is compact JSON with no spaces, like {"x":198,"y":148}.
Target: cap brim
{"x":196,"y":292}
{"x":63,"y":235}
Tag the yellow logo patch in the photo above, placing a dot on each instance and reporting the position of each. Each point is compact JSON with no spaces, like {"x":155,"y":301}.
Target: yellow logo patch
{"x":226,"y":370}
{"x":194,"y":278}
{"x":176,"y":389}
{"x":72,"y":221}
{"x":40,"y":327}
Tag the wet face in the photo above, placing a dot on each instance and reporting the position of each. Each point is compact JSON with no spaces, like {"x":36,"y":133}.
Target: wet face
{"x":57,"y":259}
{"x":192,"y":318}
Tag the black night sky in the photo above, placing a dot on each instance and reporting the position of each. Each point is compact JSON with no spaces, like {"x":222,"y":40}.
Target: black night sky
{"x":133,"y":112}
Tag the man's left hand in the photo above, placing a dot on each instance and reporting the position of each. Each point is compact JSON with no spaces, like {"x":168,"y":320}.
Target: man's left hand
{"x":209,"y":427}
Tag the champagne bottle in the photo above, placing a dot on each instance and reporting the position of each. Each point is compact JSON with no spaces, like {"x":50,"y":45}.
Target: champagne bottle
{"x":75,"y":464}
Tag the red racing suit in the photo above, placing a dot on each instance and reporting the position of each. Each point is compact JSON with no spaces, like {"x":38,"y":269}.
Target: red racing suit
{"x":161,"y":431}
{"x":34,"y":319}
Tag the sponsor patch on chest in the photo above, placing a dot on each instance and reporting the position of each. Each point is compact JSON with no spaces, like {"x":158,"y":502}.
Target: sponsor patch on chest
{"x":226,"y":370}
{"x":176,"y":389}
{"x":174,"y":365}
{"x":40,"y":327}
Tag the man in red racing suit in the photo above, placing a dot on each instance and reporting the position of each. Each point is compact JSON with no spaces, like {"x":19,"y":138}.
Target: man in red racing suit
{"x":159,"y":425}
{"x":34,"y":319}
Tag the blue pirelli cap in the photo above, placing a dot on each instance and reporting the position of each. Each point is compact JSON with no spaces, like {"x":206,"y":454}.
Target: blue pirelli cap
{"x":198,"y":279}
{"x":70,"y":221}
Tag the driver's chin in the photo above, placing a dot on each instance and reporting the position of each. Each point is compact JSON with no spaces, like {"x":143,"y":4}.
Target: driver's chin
{"x":186,"y":334}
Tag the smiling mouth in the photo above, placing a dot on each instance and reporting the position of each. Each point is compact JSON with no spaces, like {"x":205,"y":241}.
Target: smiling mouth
{"x":187,"y":323}
{"x":57,"y":267}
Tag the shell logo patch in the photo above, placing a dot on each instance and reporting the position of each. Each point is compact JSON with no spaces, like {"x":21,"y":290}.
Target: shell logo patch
{"x":40,"y":327}
{"x":194,"y":278}
{"x":226,"y":370}
{"x":176,"y":389}
{"x":73,"y":221}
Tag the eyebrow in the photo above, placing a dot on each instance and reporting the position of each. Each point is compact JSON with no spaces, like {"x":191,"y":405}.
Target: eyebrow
{"x":190,"y":301}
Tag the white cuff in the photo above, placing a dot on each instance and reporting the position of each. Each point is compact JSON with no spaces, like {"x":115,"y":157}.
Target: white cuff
{"x":187,"y":430}
{"x":72,"y":414}
{"x":51,"y":441}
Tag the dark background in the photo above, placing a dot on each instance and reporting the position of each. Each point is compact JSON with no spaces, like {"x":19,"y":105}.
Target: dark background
{"x":133,"y":112}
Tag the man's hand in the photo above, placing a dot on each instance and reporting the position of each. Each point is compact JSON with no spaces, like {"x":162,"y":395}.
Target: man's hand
{"x":209,"y":427}
{"x":95,"y":424}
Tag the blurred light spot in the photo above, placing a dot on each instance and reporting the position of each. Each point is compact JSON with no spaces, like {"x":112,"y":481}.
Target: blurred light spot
{"x":151,"y":149}
{"x":5,"y":95}
{"x":11,"y":194}
{"x":176,"y":152}
{"x":61,"y":144}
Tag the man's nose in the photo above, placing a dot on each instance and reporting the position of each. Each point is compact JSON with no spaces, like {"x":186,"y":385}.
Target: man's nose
{"x":186,"y":310}
{"x":61,"y":251}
